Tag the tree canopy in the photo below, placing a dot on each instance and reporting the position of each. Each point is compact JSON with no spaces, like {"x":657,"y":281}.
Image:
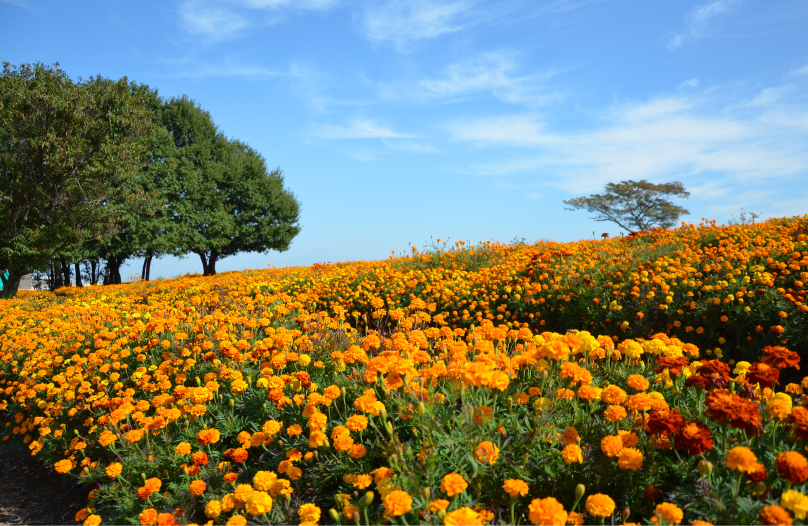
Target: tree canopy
{"x":634,"y":205}
{"x":66,"y":148}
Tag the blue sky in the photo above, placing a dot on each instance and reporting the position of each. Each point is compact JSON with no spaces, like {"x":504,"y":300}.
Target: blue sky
{"x":396,"y":121}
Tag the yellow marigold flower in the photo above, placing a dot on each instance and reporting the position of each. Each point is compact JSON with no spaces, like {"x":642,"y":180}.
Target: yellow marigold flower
{"x":630,"y":458}
{"x":670,"y":513}
{"x":453,"y":484}
{"x":308,"y":513}
{"x":213,"y":509}
{"x":487,"y":453}
{"x":259,"y":503}
{"x":599,"y":505}
{"x":92,"y":520}
{"x":462,"y":517}
{"x":572,"y":453}
{"x":547,"y":511}
{"x":397,"y":503}
{"x":740,"y":458}
{"x":243,"y":492}
{"x":237,"y":520}
{"x":263,"y":480}
{"x":611,"y":445}
{"x":114,"y":469}
{"x":515,"y":487}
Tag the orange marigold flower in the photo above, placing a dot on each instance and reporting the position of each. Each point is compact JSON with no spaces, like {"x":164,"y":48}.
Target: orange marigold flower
{"x":613,"y":395}
{"x":200,"y":458}
{"x":630,"y":458}
{"x":463,"y":516}
{"x":182,"y":449}
{"x":397,"y":503}
{"x":611,"y":445}
{"x":438,"y":505}
{"x":798,"y":418}
{"x":637,"y":382}
{"x":153,"y":484}
{"x":238,"y":520}
{"x":92,"y":520}
{"x":547,"y":511}
{"x":197,"y":487}
{"x":572,"y":453}
{"x":756,"y":473}
{"x":763,"y":374}
{"x":629,"y":439}
{"x":670,"y":513}
{"x":575,"y":518}
{"x":239,"y":455}
{"x":615,"y":413}
{"x":780,"y":357}
{"x":599,"y":505}
{"x":775,"y":515}
{"x":208,"y":436}
{"x":148,"y":517}
{"x":569,"y":436}
{"x":63,"y":466}
{"x":114,"y":469}
{"x":792,"y":466}
{"x":740,"y":458}
{"x":453,"y":484}
{"x":487,"y":453}
{"x":165,"y":519}
{"x":515,"y":487}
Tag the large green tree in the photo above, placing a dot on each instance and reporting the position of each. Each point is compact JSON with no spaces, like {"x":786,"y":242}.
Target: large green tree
{"x":66,"y":150}
{"x":229,"y":202}
{"x":634,"y":205}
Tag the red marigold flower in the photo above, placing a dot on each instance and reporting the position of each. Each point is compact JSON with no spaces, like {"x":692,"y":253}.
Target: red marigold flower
{"x":695,"y":437}
{"x":665,"y":422}
{"x":799,"y":419}
{"x":780,"y":357}
{"x":792,"y":466}
{"x":763,"y":374}
{"x":756,"y":473}
{"x":673,"y":365}
{"x":724,"y":405}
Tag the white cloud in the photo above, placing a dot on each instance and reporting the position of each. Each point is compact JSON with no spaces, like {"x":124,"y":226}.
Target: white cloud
{"x":223,"y":19}
{"x":662,"y":138}
{"x":699,"y":19}
{"x":359,"y":129}
{"x":405,"y":21}
{"x":690,"y":83}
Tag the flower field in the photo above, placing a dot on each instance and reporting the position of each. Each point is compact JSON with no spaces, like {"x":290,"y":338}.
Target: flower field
{"x":651,"y":378}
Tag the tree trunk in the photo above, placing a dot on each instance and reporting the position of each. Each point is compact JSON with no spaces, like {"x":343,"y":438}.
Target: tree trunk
{"x":11,"y":284}
{"x":93,"y":276}
{"x":208,"y":263}
{"x":144,"y":275}
{"x":114,"y":269}
{"x":65,"y":272}
{"x":78,"y":276}
{"x":57,"y":276}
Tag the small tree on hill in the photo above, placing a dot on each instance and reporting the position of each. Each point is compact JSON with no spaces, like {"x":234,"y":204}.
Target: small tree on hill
{"x":635,"y":205}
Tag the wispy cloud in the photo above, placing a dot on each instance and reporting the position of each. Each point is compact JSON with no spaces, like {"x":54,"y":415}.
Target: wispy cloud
{"x":225,"y":19}
{"x":659,"y":138}
{"x":405,"y":21}
{"x":699,"y":20}
{"x":359,"y":129}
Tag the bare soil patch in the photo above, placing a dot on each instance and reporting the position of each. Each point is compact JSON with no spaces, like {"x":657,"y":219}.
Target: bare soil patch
{"x":31,"y":493}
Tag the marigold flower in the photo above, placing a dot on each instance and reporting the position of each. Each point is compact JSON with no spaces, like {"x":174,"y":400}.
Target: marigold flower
{"x":238,"y":520}
{"x":780,"y":357}
{"x":775,"y":516}
{"x":611,"y":445}
{"x":114,"y":469}
{"x":665,"y":422}
{"x":670,"y":513}
{"x":637,"y":382}
{"x":796,"y":502}
{"x":599,"y":505}
{"x":630,"y":458}
{"x":575,"y":518}
{"x":515,"y":487}
{"x":213,"y":509}
{"x":792,"y":466}
{"x":239,"y":455}
{"x":197,"y":487}
{"x":762,"y":374}
{"x":148,"y":517}
{"x":165,"y":519}
{"x":453,"y":484}
{"x":695,"y":437}
{"x":740,"y":458}
{"x":572,"y":453}
{"x":438,"y":505}
{"x":615,"y":413}
{"x":547,"y":511}
{"x":463,"y":516}
{"x":357,"y":423}
{"x":308,"y":513}
{"x":756,"y":473}
{"x":63,"y":466}
{"x":182,"y":449}
{"x":487,"y":453}
{"x":613,"y":395}
{"x":629,"y":439}
{"x":92,"y":520}
{"x":259,"y":503}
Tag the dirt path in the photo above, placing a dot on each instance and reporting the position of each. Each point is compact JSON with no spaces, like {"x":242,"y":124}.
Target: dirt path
{"x":30,"y":493}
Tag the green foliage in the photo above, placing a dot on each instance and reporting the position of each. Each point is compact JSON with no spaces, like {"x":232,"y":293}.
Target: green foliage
{"x":634,"y":205}
{"x":66,"y":150}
